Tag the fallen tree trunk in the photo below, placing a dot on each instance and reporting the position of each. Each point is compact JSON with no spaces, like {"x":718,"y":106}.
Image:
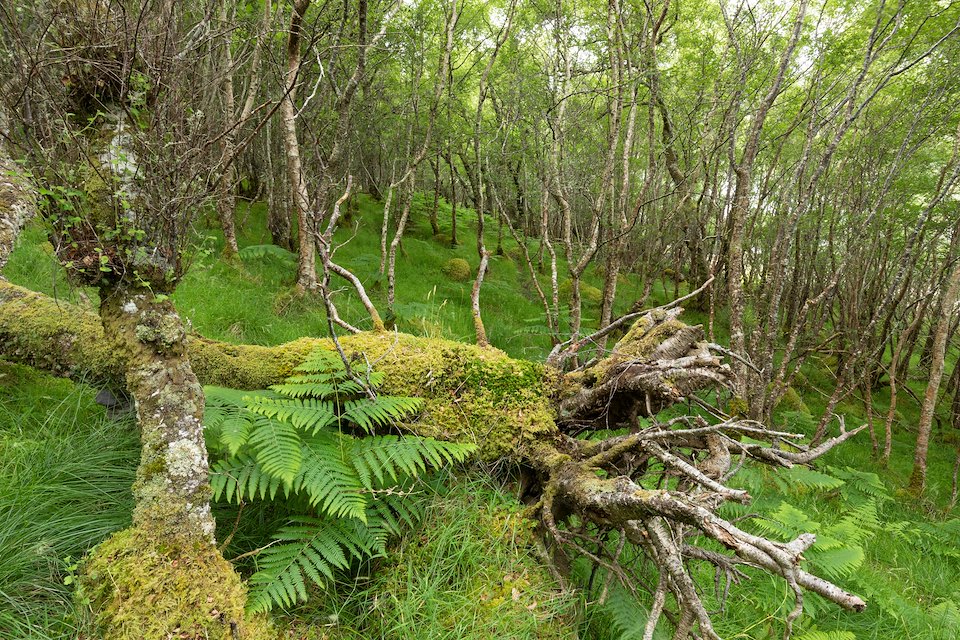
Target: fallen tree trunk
{"x":527,"y":412}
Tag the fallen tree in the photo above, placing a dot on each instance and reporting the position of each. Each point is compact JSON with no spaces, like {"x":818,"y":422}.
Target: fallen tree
{"x":657,"y":487}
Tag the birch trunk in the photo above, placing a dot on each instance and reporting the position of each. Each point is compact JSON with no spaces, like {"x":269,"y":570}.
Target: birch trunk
{"x":918,"y":478}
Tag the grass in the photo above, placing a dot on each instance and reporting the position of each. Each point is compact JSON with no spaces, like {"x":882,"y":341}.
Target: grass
{"x":65,"y":477}
{"x":65,"y":469}
{"x":470,"y":572}
{"x":251,"y":302}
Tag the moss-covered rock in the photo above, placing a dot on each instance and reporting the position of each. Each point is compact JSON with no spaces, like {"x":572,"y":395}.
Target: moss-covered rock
{"x":457,"y":269}
{"x":142,"y":588}
{"x":791,"y":401}
{"x":590,"y":294}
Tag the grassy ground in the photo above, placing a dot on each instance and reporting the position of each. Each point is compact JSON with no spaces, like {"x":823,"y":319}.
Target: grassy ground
{"x":65,"y":469}
{"x":65,"y":476}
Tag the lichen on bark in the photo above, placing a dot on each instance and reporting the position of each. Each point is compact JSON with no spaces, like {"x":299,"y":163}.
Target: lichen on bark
{"x":164,"y":577}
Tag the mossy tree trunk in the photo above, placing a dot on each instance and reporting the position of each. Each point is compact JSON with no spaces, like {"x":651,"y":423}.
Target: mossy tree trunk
{"x":125,"y":179}
{"x":163,"y":577}
{"x":172,"y":491}
{"x":528,"y":413}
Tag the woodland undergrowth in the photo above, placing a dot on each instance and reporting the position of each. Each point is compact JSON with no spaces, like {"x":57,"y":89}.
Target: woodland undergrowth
{"x":66,"y":468}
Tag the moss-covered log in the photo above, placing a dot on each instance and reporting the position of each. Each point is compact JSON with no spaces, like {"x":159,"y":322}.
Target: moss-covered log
{"x":523,"y":411}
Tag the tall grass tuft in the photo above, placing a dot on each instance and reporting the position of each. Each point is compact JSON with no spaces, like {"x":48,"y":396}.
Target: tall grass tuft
{"x":65,"y":477}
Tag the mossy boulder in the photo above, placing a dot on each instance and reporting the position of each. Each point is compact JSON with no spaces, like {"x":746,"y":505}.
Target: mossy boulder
{"x":457,"y":269}
{"x":590,"y":294}
{"x":791,"y":401}
{"x":141,"y":587}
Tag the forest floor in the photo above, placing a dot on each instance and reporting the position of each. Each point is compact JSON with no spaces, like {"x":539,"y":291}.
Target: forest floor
{"x":66,"y":468}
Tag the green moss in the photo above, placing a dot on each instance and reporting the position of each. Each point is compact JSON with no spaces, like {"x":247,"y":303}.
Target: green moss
{"x":144,"y":588}
{"x":471,"y":394}
{"x":642,"y":339}
{"x":791,"y":401}
{"x":457,"y":269}
{"x":588,"y":293}
{"x":52,"y":336}
{"x":246,"y":366}
{"x":738,"y":407}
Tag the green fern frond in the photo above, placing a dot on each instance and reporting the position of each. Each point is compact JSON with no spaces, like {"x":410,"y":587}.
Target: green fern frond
{"x":322,"y":361}
{"x":628,"y":616}
{"x":310,"y":548}
{"x":234,"y":432}
{"x":277,"y":448}
{"x":938,"y":538}
{"x":837,"y":563}
{"x":803,"y":478}
{"x":785,"y":522}
{"x":319,"y":390}
{"x":330,"y":483}
{"x":861,"y":485}
{"x":242,"y":478}
{"x":307,"y":414}
{"x":266,"y":250}
{"x":392,"y":457}
{"x":222,"y":404}
{"x":827,"y":635}
{"x":386,"y":410}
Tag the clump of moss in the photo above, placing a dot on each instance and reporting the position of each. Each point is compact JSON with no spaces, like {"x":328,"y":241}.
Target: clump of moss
{"x":791,"y":401}
{"x":738,"y":407}
{"x":146,"y":588}
{"x":588,"y":293}
{"x":471,"y":394}
{"x":457,"y":269}
{"x":644,"y":337}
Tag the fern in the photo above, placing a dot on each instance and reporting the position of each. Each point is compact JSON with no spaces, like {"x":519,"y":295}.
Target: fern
{"x":298,"y":437}
{"x":827,"y":635}
{"x":311,"y":548}
{"x":277,"y":448}
{"x":369,"y":415}
{"x":329,"y":481}
{"x":301,"y":413}
{"x":235,"y":432}
{"x":628,"y":616}
{"x":391,"y":457}
{"x":861,"y":485}
{"x":241,"y":477}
